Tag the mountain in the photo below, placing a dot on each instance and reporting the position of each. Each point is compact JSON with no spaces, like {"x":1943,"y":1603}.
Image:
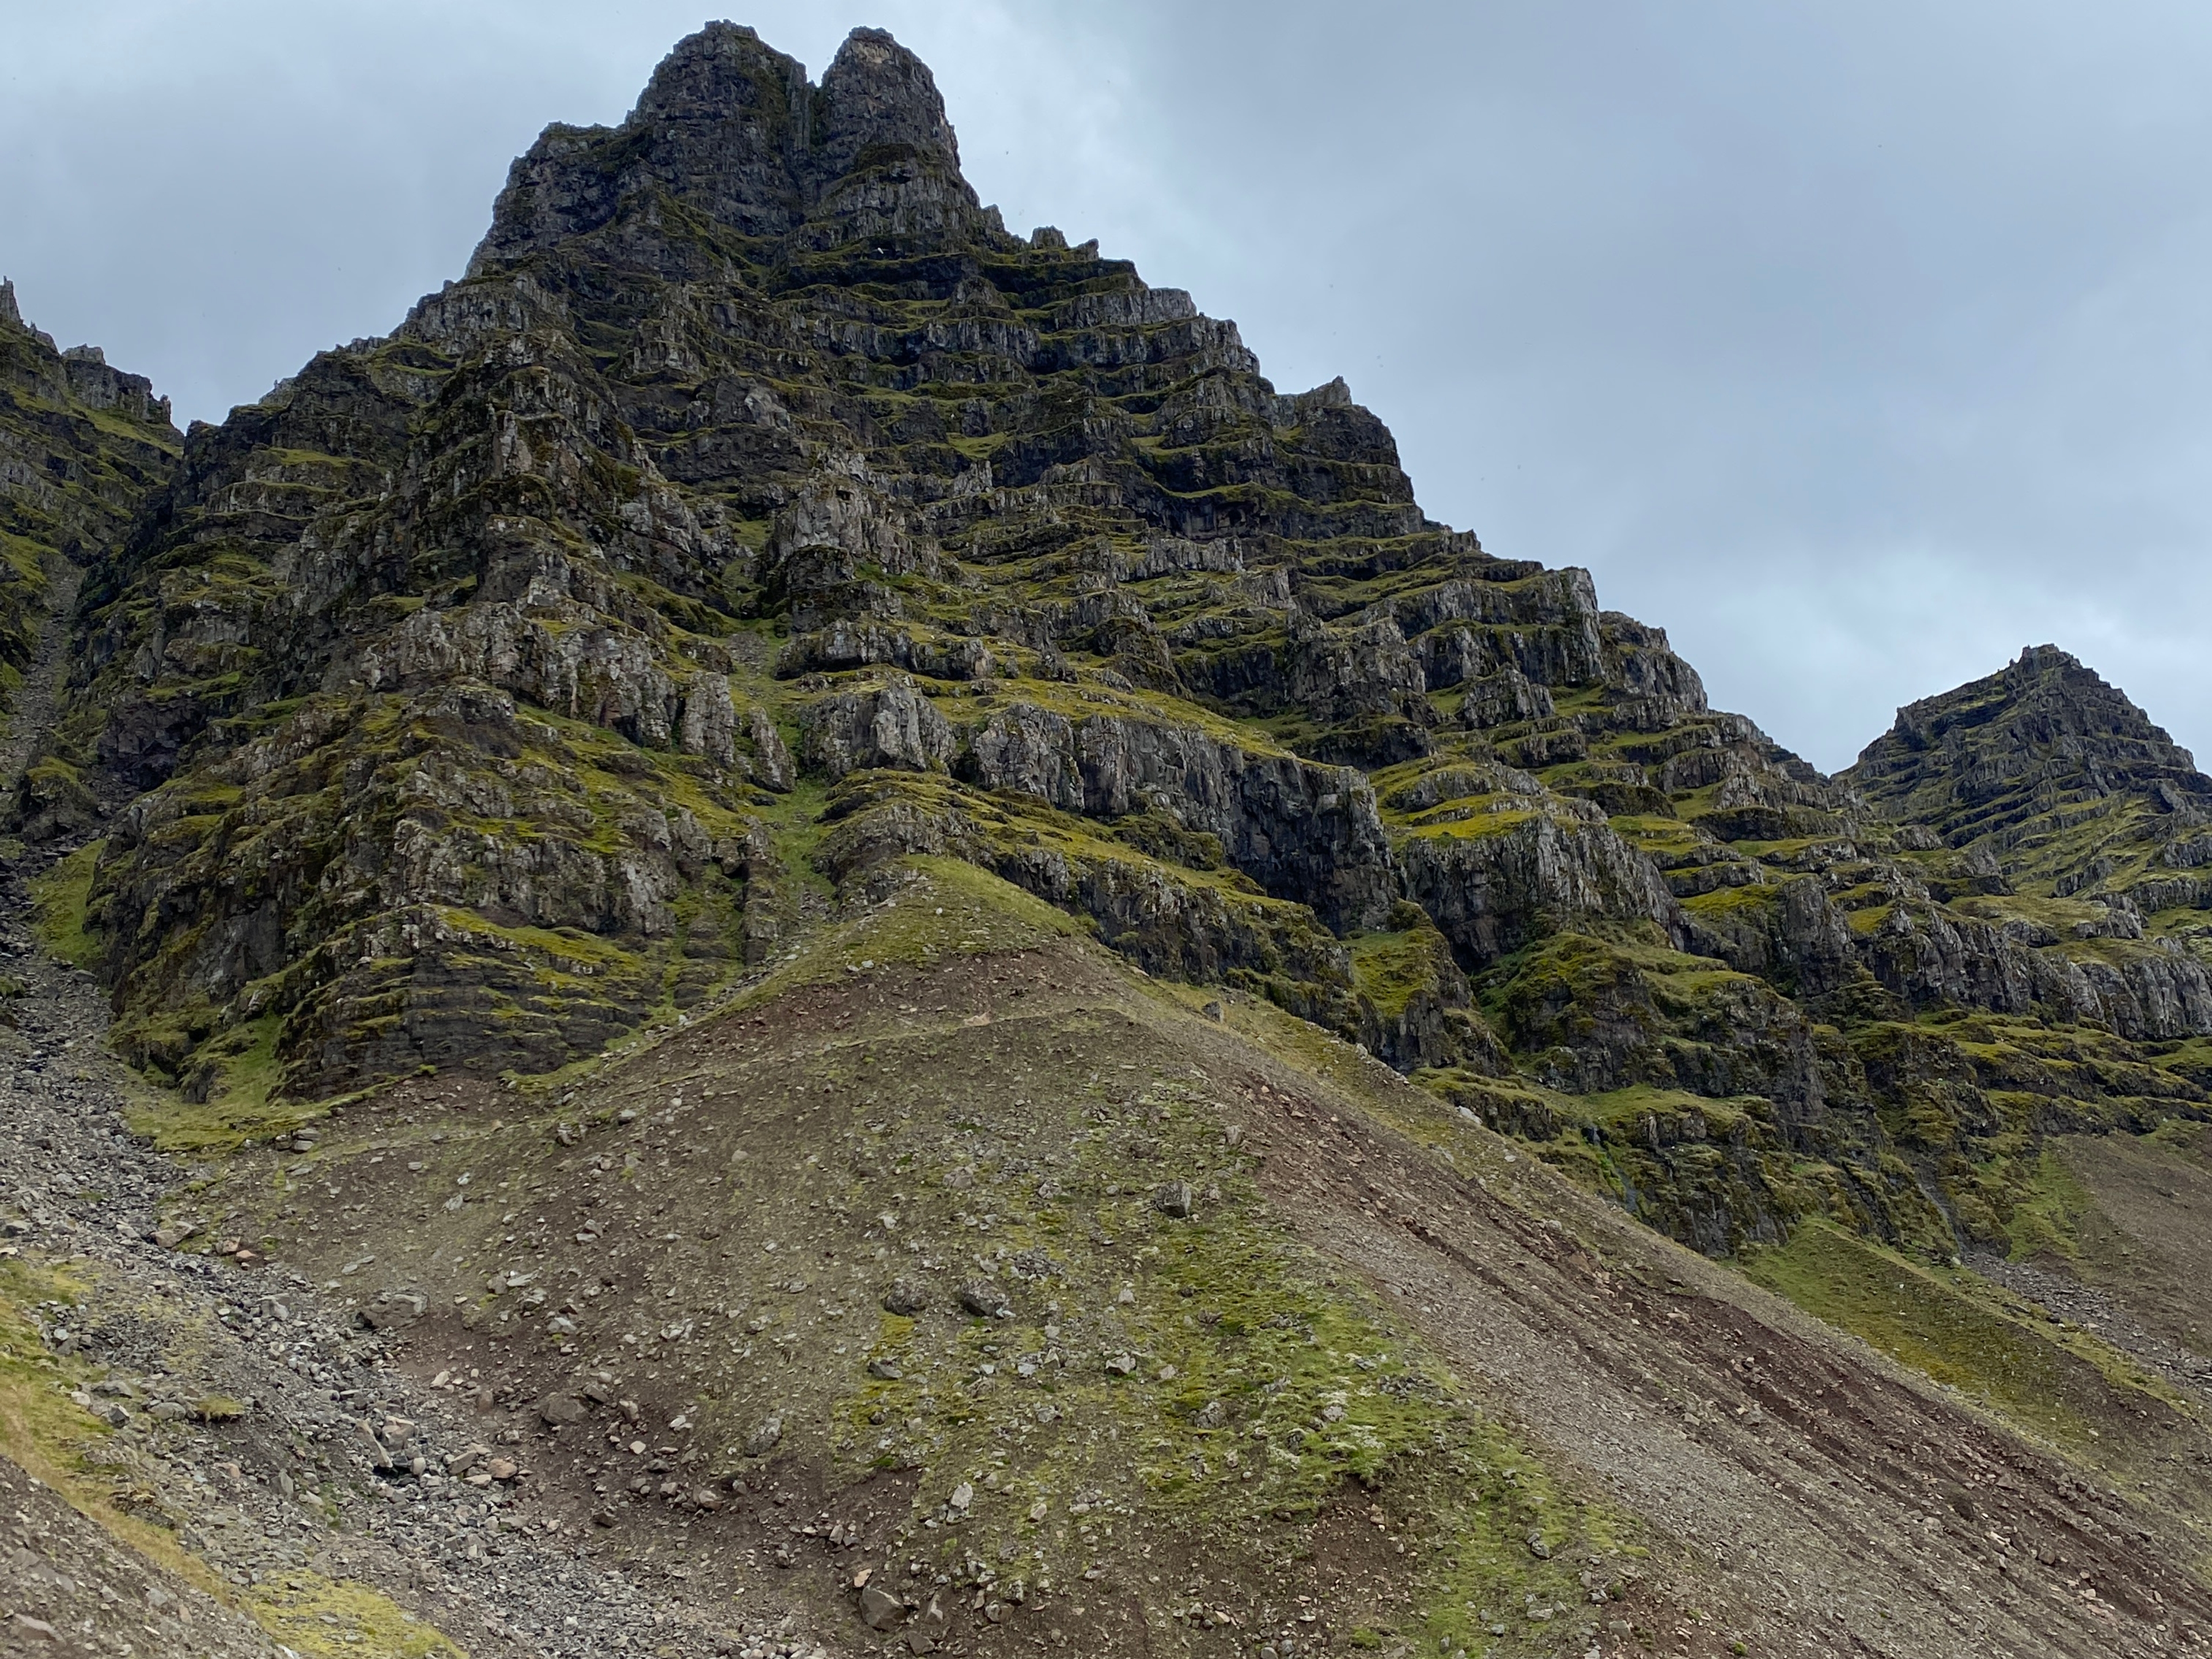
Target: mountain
{"x":939,"y":950}
{"x":758,"y":512}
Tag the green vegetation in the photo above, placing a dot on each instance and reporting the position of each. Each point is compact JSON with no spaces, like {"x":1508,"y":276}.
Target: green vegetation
{"x":2066,"y":1387}
{"x":2046,"y":1211}
{"x":60,"y":897}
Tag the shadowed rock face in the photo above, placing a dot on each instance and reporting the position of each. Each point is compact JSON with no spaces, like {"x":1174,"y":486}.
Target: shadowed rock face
{"x":81,"y":448}
{"x":759,"y":508}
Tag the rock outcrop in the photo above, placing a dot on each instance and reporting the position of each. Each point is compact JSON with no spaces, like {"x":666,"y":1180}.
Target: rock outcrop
{"x":81,"y":448}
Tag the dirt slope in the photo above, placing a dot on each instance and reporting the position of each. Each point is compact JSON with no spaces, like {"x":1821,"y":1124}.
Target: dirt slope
{"x":894,"y":1249}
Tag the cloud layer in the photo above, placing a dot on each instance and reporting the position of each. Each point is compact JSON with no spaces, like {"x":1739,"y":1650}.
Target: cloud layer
{"x":1857,"y":345}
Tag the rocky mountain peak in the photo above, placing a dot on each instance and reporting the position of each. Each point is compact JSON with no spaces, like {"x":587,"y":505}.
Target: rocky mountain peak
{"x":9,"y":313}
{"x":724,"y":73}
{"x":732,"y":130}
{"x":878,"y":93}
{"x":2045,"y":762}
{"x":2045,"y":711}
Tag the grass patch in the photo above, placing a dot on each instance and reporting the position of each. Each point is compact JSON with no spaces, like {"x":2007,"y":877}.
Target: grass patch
{"x":242,"y":1107}
{"x":58,"y":899}
{"x":1952,"y":1327}
{"x":2047,"y":1212}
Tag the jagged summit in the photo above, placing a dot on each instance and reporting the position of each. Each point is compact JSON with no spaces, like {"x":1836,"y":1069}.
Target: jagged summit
{"x":878,"y":93}
{"x":2045,"y":737}
{"x":733,"y":129}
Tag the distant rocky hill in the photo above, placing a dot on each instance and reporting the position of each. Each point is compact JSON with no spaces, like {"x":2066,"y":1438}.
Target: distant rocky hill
{"x":759,"y":510}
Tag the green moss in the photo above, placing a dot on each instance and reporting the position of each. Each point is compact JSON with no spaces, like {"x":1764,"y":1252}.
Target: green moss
{"x":242,"y":1076}
{"x":1732,"y":901}
{"x":2046,"y":1211}
{"x":326,"y":1618}
{"x":1954,"y":1328}
{"x":1391,"y":967}
{"x":60,"y":897}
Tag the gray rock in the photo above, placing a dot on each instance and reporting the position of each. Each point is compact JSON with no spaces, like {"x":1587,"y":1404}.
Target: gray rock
{"x":879,"y":1608}
{"x":985,"y":1300}
{"x":556,"y":1409}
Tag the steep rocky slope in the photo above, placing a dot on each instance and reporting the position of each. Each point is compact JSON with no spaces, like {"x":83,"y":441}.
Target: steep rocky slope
{"x":617,"y":792}
{"x":81,"y":448}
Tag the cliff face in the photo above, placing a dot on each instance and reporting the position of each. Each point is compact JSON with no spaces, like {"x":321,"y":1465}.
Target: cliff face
{"x":758,"y":509}
{"x":81,"y":448}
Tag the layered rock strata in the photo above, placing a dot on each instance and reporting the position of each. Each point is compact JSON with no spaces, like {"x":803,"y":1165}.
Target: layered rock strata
{"x":83,"y":446}
{"x":759,"y":508}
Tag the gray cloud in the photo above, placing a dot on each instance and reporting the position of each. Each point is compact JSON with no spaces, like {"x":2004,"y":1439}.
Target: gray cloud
{"x":1857,"y":345}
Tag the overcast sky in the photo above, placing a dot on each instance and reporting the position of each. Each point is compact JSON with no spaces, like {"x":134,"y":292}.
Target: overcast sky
{"x":1856,"y":344}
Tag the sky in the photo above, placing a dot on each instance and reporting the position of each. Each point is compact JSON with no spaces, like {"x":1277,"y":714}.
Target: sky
{"x":1857,"y":345}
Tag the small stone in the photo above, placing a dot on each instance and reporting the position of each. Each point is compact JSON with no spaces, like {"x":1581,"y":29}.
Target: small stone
{"x":1210,"y":1415}
{"x":887,"y":1370}
{"x":559,"y":1408}
{"x":764,"y":1438}
{"x":1121,"y":1364}
{"x":1173,"y":1200}
{"x":905,"y":1298}
{"x":918,"y":1642}
{"x":984,"y":1300}
{"x":962,"y":1496}
{"x":1538,"y":1547}
{"x":879,"y":1608}
{"x":502,"y":1468}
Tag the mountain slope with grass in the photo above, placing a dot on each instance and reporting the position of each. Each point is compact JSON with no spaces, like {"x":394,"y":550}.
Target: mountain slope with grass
{"x":1065,"y":1304}
{"x":862,"y":935}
